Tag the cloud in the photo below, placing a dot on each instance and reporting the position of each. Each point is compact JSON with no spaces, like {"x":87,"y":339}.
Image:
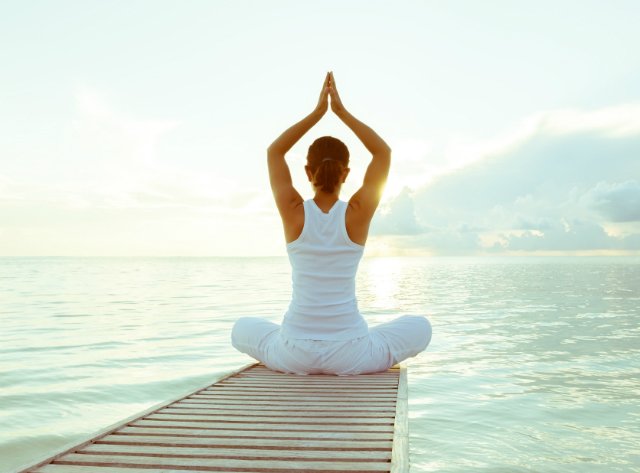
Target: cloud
{"x":112,"y":159}
{"x":575,"y":236}
{"x":559,"y":188}
{"x":114,"y":186}
{"x":617,"y":202}
{"x":418,"y":162}
{"x":617,"y":121}
{"x":398,"y":217}
{"x":569,"y":236}
{"x":122,"y":137}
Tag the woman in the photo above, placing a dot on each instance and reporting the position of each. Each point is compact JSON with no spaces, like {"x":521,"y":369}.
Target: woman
{"x":323,"y":330}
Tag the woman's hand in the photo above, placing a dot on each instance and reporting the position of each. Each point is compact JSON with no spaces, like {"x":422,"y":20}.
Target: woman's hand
{"x":336,"y":103}
{"x":323,"y":101}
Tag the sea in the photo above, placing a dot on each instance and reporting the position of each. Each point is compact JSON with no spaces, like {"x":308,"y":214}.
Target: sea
{"x":534,"y":365}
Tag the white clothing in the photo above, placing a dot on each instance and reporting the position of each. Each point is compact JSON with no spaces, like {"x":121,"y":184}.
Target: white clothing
{"x":323,"y":330}
{"x":384,"y":346}
{"x":324,"y":262}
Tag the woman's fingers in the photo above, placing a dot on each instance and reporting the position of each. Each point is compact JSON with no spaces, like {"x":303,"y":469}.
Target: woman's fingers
{"x":325,"y":86}
{"x":333,"y":88}
{"x":336,"y":103}
{"x":323,"y":100}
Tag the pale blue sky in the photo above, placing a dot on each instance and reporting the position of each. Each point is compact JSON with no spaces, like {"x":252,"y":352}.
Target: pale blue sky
{"x":139,"y":127}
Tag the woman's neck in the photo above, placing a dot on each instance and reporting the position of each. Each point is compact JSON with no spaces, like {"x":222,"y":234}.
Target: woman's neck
{"x":325,"y":200}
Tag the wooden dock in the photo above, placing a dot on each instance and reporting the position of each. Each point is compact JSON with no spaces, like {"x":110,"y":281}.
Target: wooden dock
{"x":256,"y":420}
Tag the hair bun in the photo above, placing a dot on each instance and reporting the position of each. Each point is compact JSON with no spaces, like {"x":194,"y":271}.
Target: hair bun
{"x":327,"y":158}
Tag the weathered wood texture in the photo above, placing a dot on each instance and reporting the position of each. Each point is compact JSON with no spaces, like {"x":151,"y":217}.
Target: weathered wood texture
{"x":256,"y":420}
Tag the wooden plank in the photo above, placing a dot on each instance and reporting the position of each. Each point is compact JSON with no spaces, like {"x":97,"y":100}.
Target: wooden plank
{"x":268,"y":412}
{"x":250,"y":382}
{"x":317,"y":377}
{"x":376,"y":389}
{"x":263,"y":420}
{"x":301,"y":399}
{"x":275,"y":392}
{"x":255,"y":380}
{"x":213,"y":463}
{"x":284,"y":397}
{"x":400,"y":451}
{"x":343,"y":392}
{"x":213,"y":407}
{"x":334,"y":442}
{"x":258,"y":371}
{"x":264,"y":369}
{"x":271,"y":427}
{"x":281,"y":453}
{"x":152,"y":432}
{"x":53,"y":468}
{"x":276,"y":402}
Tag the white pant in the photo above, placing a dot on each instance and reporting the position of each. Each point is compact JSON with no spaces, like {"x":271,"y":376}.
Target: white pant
{"x":386,"y":345}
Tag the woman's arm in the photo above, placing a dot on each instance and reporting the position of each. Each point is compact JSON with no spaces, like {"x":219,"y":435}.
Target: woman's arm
{"x":368,"y":196}
{"x":285,"y":195}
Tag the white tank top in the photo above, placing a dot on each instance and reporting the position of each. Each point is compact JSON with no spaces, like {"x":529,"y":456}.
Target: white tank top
{"x":324,"y":262}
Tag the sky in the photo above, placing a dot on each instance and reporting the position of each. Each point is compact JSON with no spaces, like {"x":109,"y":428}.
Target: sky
{"x":140,"y":127}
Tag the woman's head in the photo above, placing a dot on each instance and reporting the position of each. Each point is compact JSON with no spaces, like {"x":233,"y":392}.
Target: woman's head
{"x":327,"y":163}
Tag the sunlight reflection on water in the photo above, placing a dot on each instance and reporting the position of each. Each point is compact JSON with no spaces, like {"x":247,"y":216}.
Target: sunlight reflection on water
{"x":534,"y":364}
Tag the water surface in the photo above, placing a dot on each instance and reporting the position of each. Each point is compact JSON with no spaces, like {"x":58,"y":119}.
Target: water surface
{"x":534,"y":365}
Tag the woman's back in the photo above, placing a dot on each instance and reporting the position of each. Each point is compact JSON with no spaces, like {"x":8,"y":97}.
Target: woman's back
{"x":324,"y":262}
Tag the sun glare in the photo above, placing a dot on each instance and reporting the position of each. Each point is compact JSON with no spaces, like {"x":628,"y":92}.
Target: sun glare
{"x":380,"y":283}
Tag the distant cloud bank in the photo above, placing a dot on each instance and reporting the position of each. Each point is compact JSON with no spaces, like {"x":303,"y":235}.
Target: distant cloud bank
{"x":572,"y":184}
